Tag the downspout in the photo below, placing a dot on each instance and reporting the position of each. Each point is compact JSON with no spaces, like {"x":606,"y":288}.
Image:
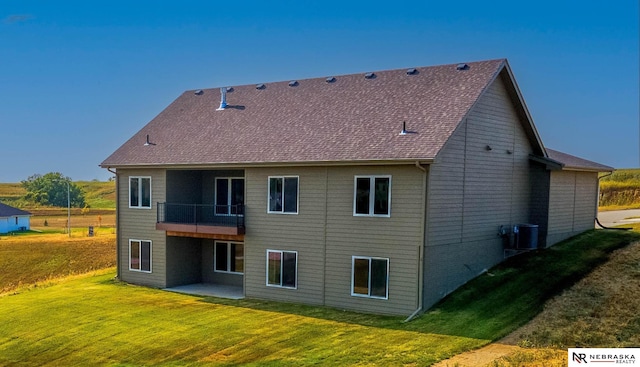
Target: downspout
{"x":598,"y":196}
{"x":421,"y":247}
{"x":598,"y":202}
{"x":117,"y":222}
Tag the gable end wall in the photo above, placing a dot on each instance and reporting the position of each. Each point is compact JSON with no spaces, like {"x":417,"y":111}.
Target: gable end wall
{"x":473,"y":190}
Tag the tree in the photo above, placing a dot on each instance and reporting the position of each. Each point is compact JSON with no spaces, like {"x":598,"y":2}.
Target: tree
{"x":51,"y":189}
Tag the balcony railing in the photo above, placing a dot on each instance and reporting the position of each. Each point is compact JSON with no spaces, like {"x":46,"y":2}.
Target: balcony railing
{"x":202,"y":215}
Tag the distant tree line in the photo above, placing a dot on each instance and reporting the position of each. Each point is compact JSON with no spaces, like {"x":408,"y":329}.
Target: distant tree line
{"x":52,"y":189}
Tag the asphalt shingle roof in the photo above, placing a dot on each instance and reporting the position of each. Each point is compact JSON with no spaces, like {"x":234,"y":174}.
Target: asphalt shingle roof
{"x":571,"y":162}
{"x":351,"y":118}
{"x":9,"y":211}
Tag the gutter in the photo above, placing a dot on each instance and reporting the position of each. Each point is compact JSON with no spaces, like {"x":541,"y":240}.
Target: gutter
{"x":230,"y":165}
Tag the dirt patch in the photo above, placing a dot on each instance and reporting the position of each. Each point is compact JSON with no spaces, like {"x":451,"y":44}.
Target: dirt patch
{"x":479,"y":357}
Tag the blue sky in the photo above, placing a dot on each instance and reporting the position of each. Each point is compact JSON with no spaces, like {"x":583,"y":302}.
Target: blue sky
{"x":78,"y":78}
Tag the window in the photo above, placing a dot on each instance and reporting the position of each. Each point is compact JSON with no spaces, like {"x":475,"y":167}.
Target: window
{"x":139,"y":192}
{"x":140,"y":256}
{"x":283,"y":195}
{"x":282,"y":268}
{"x":229,"y":194}
{"x":229,"y":257}
{"x":372,"y":196}
{"x":370,"y":277}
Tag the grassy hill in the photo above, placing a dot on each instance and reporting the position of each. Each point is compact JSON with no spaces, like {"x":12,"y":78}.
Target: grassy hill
{"x":11,"y":193}
{"x":97,"y":194}
{"x":28,"y":259}
{"x":621,"y":190}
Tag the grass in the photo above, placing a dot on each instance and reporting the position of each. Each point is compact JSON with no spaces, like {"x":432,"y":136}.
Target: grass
{"x":601,"y":310}
{"x":98,"y":194}
{"x":56,"y":221}
{"x":543,"y":357}
{"x":621,"y":190}
{"x":97,"y":320}
{"x":11,"y":191}
{"x":494,"y":304}
{"x":30,"y":257}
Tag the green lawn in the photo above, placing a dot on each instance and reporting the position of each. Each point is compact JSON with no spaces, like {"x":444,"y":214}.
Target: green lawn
{"x":512,"y":293}
{"x":97,"y":320}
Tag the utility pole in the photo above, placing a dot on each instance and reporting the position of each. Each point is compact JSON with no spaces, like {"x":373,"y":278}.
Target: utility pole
{"x":69,"y":208}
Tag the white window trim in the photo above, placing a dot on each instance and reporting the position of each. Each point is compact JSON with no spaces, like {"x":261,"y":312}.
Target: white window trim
{"x":229,"y":193}
{"x":353,"y":270}
{"x":140,"y":252}
{"x":371,"y":197}
{"x":228,"y":257}
{"x":281,"y":264}
{"x":297,"y":196}
{"x":139,"y":206}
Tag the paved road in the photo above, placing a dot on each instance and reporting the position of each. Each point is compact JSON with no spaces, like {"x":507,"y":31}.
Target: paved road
{"x":619,"y":217}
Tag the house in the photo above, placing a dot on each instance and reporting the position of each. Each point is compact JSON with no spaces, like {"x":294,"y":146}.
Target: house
{"x":377,"y":192}
{"x":13,"y":219}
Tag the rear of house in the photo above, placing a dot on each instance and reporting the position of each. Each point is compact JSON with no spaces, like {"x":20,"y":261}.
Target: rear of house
{"x":295,"y":235}
{"x":377,"y":192}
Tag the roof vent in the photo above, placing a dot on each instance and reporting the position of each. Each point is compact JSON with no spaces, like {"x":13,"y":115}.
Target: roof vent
{"x":147,"y":143}
{"x":223,"y":99}
{"x":404,"y":128}
{"x":412,"y":71}
{"x":293,"y":83}
{"x":198,"y":92}
{"x":230,"y":89}
{"x":462,"y":67}
{"x":369,"y":76}
{"x":260,"y":86}
{"x":330,"y":79}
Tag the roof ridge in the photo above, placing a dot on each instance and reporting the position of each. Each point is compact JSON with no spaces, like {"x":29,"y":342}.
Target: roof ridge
{"x":502,"y":60}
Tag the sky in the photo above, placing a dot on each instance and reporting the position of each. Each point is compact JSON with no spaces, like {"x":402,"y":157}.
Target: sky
{"x":79,"y":78}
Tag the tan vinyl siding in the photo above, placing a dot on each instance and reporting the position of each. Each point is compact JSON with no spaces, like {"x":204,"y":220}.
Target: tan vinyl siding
{"x":326,"y":235}
{"x":540,"y":201}
{"x":140,"y":224}
{"x":586,"y":201}
{"x":572,"y":207}
{"x":561,"y":206}
{"x":397,"y":238}
{"x":302,"y":232}
{"x":479,"y":182}
{"x":446,"y":193}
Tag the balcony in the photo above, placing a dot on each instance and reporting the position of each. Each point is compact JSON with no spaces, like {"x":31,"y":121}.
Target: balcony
{"x":202,"y":220}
